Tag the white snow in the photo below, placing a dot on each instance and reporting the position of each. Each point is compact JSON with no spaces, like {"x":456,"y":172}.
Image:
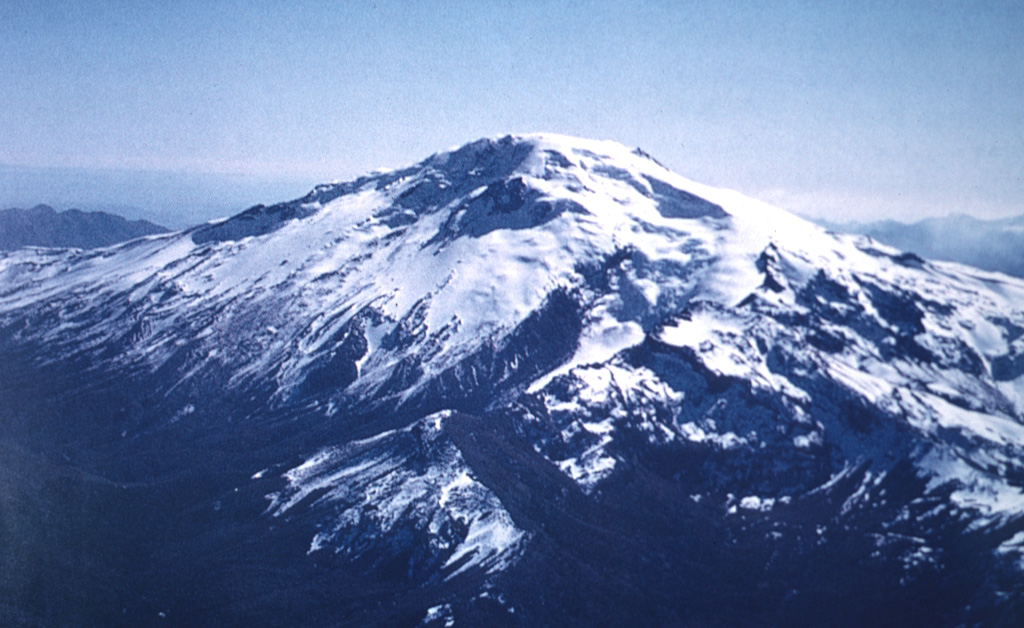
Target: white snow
{"x":992,"y":498}
{"x":1014,"y":546}
{"x":271,"y":306}
{"x":754,"y":502}
{"x":369,"y":481}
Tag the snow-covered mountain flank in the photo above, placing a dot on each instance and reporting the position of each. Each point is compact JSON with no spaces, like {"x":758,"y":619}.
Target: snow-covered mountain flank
{"x":529,"y":381}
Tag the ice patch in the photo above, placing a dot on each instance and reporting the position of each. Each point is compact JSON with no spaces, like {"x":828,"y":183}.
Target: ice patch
{"x":753,"y":502}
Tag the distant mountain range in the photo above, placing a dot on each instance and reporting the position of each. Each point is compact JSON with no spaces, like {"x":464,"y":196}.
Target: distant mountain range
{"x":988,"y":244}
{"x":42,"y":225}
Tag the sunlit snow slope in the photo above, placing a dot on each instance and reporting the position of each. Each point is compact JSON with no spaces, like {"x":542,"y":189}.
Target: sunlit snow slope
{"x":443,"y":381}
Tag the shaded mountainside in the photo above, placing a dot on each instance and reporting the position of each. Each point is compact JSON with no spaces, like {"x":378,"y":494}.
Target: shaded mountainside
{"x":532,"y":381}
{"x":996,"y":245}
{"x":44,"y":226}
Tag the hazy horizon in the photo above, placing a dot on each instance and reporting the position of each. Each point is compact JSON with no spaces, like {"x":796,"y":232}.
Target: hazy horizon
{"x":180,"y":199}
{"x":847,"y":112}
{"x":172,"y":199}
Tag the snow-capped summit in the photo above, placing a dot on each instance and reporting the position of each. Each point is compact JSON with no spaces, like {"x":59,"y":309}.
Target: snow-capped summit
{"x":470,"y":241}
{"x":535,"y":359}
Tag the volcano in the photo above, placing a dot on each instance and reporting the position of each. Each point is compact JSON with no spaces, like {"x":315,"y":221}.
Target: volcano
{"x":531,"y":381}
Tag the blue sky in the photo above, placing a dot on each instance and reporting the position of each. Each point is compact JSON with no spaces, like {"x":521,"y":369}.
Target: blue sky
{"x":193,"y":109}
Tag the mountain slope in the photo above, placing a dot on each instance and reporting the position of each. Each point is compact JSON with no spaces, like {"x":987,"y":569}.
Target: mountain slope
{"x":44,"y":226}
{"x":529,"y":381}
